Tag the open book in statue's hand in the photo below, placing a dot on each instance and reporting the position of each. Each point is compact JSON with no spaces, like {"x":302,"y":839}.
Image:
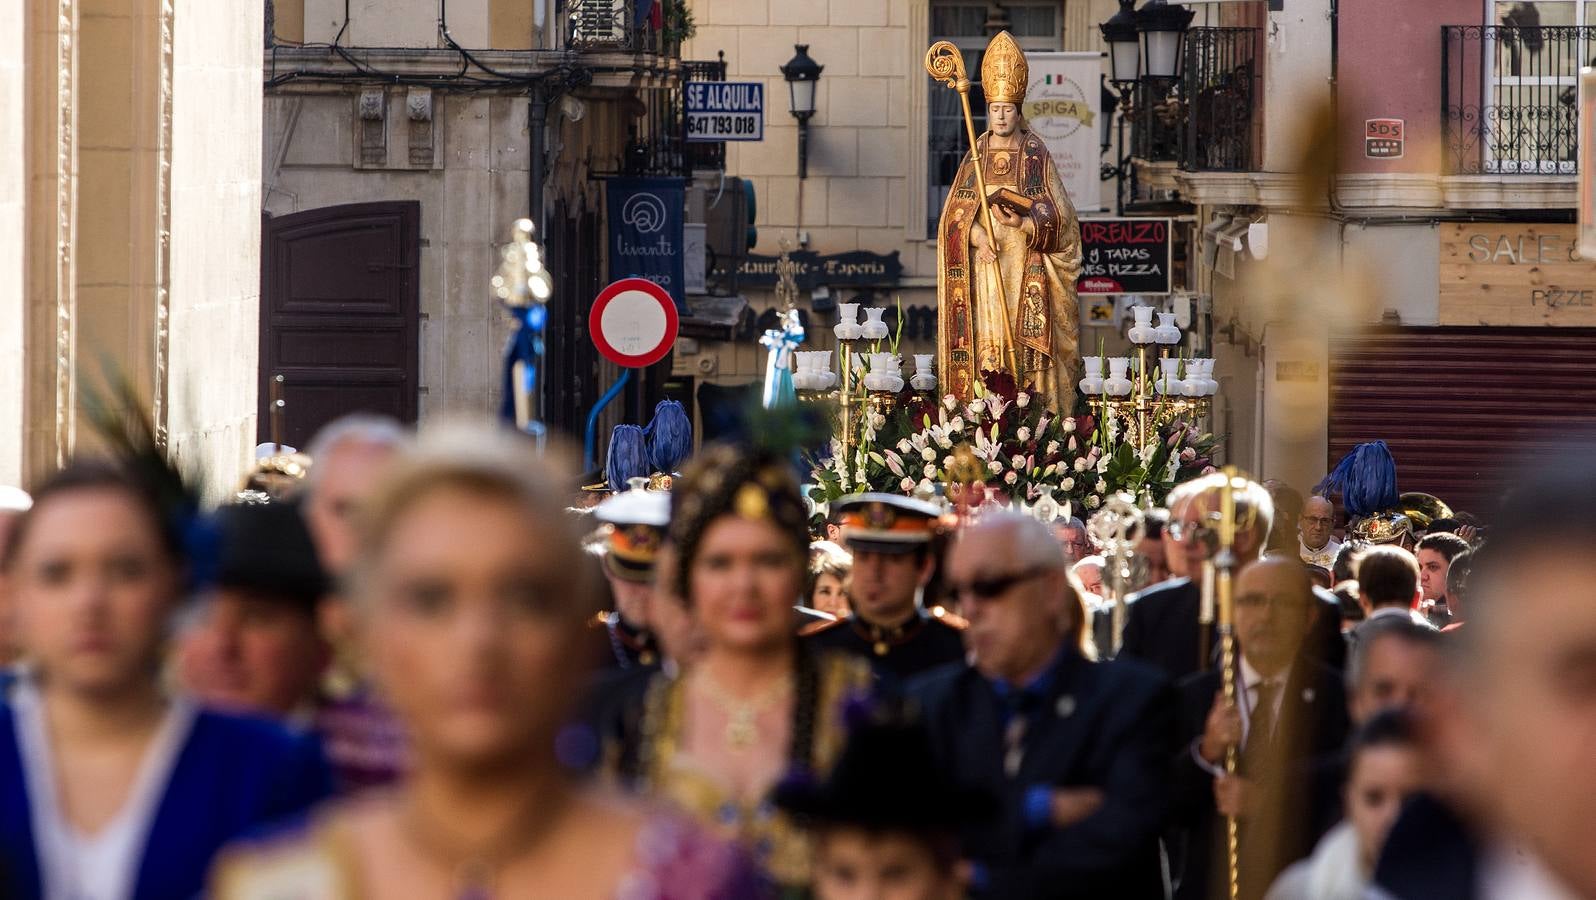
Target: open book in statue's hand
{"x":1011,"y":200}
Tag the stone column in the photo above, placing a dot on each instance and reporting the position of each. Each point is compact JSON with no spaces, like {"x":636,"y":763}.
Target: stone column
{"x":135,"y":245}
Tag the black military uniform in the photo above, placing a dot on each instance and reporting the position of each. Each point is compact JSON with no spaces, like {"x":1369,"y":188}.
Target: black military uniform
{"x":889,"y":523}
{"x":634,"y":528}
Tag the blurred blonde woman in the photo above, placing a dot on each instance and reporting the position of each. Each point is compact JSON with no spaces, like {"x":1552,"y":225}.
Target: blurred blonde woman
{"x":471,"y":616}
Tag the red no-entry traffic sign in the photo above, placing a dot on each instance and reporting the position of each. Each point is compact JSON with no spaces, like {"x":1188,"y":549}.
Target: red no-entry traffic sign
{"x":633,"y":323}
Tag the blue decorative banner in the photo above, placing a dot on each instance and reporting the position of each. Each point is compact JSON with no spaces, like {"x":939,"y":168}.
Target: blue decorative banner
{"x":646,"y":235}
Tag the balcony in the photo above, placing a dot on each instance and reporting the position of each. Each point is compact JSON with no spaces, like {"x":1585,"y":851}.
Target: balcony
{"x":612,"y":25}
{"x":703,"y":155}
{"x":1510,"y":98}
{"x":1205,"y":121}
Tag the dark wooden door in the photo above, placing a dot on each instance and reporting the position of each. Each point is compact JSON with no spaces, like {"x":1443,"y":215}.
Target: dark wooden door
{"x":339,"y":313}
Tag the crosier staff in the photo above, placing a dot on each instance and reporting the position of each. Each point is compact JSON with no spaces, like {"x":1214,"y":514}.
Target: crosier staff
{"x":1224,"y":567}
{"x":945,"y":63}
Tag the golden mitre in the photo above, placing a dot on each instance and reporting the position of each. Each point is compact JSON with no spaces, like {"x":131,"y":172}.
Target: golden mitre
{"x":1004,"y":72}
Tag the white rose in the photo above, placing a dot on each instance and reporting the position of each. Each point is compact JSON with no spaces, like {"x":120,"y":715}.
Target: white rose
{"x":878,"y":421}
{"x":1069,"y":425}
{"x":956,"y":424}
{"x":977,"y":407}
{"x":950,"y":402}
{"x":906,"y":485}
{"x":1018,"y":461}
{"x":1067,"y":485}
{"x":1093,"y":502}
{"x":1101,"y":487}
{"x":928,"y":455}
{"x":947,"y":462}
{"x":1052,"y":447}
{"x":995,"y":466}
{"x":1022,"y":400}
{"x":930,"y":470}
{"x":1023,"y":435}
{"x":1080,"y":465}
{"x":1010,"y":478}
{"x":904,"y":446}
{"x":944,"y":442}
{"x":926,"y":485}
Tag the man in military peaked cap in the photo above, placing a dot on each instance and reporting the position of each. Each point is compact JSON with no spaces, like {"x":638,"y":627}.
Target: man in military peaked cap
{"x":891,"y":538}
{"x":633,"y":531}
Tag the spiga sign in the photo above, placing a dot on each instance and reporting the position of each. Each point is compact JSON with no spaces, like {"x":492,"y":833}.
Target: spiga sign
{"x":1515,"y":275}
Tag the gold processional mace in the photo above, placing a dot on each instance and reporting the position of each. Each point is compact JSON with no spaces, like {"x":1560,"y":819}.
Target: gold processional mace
{"x":1225,"y":564}
{"x":945,"y":63}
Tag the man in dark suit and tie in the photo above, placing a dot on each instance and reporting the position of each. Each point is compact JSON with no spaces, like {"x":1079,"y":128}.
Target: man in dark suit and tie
{"x":1289,"y":708}
{"x":1161,"y":623}
{"x":1078,"y":750}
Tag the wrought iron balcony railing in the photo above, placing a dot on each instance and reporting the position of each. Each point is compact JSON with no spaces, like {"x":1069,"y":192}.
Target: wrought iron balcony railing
{"x":1510,"y":97}
{"x":703,"y":155}
{"x":1205,"y":121}
{"x":614,"y":25}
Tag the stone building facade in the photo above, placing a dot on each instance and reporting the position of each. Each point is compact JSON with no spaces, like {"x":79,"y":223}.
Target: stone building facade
{"x":473,"y":121}
{"x":881,"y":132}
{"x":129,"y":223}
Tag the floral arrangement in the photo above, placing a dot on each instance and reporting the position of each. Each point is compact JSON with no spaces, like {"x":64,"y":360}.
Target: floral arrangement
{"x":1006,"y":441}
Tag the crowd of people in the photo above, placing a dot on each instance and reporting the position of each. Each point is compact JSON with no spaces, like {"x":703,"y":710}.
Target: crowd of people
{"x":431,"y":667}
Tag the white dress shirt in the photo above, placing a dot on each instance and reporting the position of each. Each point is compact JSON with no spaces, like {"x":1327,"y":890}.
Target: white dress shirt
{"x":1247,"y":695}
{"x":103,"y":865}
{"x":1250,"y":681}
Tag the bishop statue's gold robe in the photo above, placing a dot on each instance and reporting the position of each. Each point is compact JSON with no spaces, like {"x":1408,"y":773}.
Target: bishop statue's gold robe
{"x":1038,"y":275}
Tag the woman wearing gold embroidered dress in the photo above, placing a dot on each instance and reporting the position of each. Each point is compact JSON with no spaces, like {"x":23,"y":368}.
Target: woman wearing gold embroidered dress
{"x":472,"y":618}
{"x":715,"y":740}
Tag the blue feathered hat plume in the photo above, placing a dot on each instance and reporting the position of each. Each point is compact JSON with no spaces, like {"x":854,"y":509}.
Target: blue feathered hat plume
{"x":670,"y":437}
{"x":1365,"y":478}
{"x":628,"y":456}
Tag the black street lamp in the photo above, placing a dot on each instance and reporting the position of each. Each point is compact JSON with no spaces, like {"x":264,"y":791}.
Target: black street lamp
{"x":1124,"y":45}
{"x":1163,"y":29}
{"x":803,"y":77}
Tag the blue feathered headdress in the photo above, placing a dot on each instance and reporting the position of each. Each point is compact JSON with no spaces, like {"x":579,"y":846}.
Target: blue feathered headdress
{"x":1365,"y":478}
{"x":670,"y":437}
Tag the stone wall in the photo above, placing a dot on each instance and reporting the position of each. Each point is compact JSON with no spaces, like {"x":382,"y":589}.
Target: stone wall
{"x":859,"y":147}
{"x":213,"y":338}
{"x":129,"y":224}
{"x":13,"y":191}
{"x":478,"y":187}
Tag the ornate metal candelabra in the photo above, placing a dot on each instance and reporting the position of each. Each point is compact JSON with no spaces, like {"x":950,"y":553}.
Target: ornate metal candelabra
{"x":1144,"y":399}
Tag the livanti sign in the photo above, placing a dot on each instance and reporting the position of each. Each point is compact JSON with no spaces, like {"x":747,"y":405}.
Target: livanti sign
{"x":646,"y":234}
{"x":725,"y":111}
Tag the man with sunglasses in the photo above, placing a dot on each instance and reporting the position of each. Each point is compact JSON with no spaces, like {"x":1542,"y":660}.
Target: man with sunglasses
{"x":891,"y":538}
{"x":1289,"y":709}
{"x":1078,"y":750}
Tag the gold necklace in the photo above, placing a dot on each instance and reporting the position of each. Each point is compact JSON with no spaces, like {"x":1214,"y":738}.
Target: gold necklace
{"x":742,"y":726}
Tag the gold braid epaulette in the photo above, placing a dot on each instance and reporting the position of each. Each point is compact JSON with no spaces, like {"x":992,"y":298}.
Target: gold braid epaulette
{"x":817,"y":627}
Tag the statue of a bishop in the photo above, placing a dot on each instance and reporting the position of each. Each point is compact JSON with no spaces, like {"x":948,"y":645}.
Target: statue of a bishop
{"x":1032,"y":323}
